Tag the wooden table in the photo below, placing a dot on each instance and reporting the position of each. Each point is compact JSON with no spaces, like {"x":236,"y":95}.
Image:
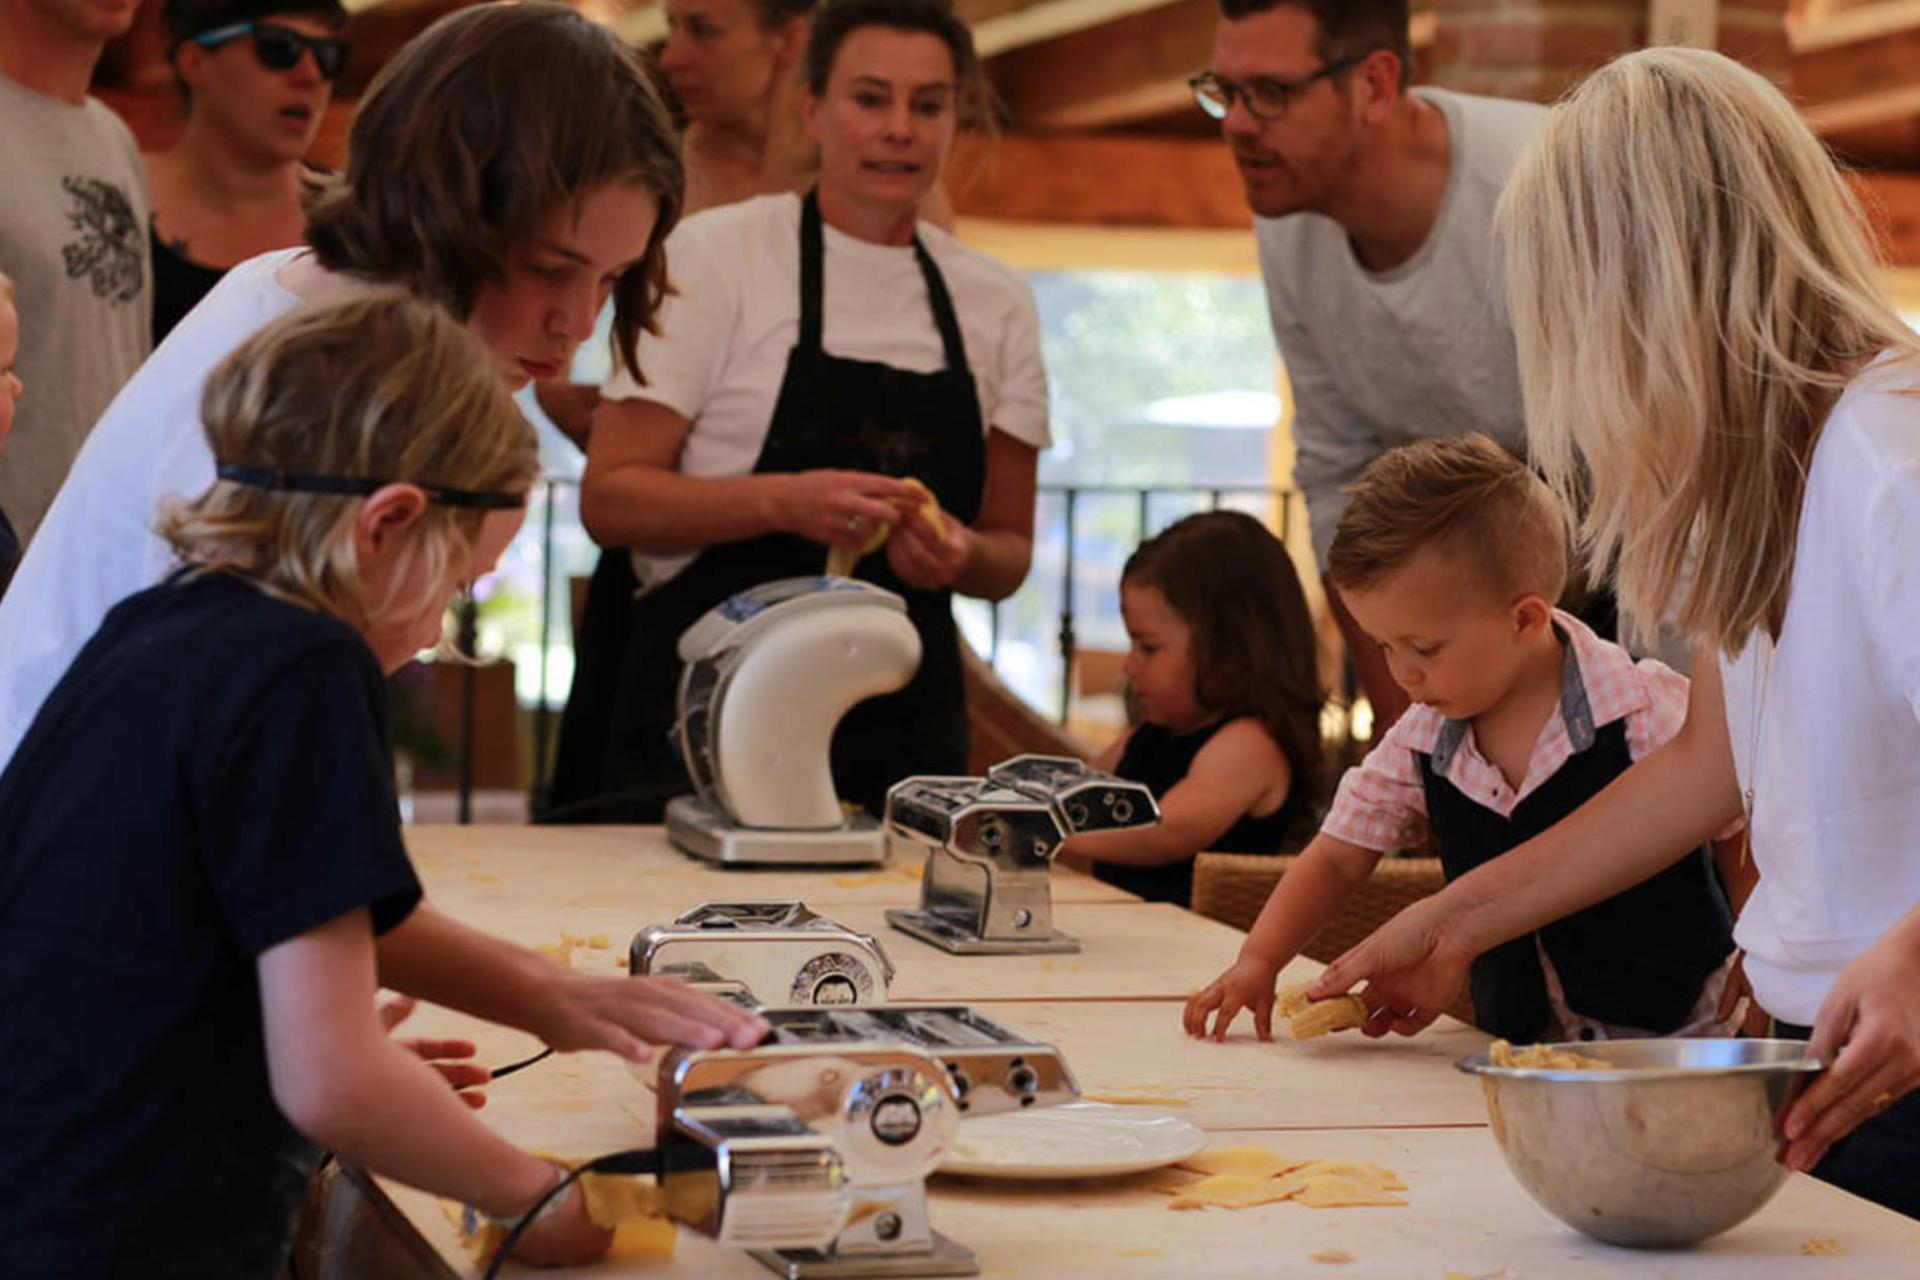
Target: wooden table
{"x":1114,"y":1011}
{"x":471,"y":869}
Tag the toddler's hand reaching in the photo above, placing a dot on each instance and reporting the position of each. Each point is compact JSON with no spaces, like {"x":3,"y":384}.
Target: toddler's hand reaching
{"x":1247,"y":985}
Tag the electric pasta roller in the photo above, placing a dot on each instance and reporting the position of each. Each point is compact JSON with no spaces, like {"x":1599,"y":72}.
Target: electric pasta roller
{"x":768,"y":675}
{"x":813,"y":1148}
{"x":766,"y":953}
{"x":985,"y":887}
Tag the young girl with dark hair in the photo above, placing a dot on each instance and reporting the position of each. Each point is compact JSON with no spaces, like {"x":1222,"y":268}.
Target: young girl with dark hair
{"x":1222,"y":675}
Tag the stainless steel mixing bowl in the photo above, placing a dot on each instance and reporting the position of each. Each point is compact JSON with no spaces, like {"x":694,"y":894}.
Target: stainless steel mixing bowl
{"x":1676,"y":1145}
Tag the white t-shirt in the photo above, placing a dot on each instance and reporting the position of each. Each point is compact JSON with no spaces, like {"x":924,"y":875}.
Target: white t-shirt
{"x":1834,"y":759}
{"x":725,"y":335}
{"x":1383,"y":358}
{"x":97,"y":545}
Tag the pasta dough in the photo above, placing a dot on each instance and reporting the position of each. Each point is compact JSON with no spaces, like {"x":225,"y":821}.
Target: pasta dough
{"x":1309,"y":1018}
{"x":1542,"y":1057}
{"x":841,"y":560}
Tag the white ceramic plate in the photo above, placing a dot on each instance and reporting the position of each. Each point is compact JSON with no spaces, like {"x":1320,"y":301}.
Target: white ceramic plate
{"x":1074,"y":1140}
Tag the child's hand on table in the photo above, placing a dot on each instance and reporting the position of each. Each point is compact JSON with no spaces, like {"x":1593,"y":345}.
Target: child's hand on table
{"x":629,"y":1015}
{"x":448,"y":1057}
{"x":1248,"y":984}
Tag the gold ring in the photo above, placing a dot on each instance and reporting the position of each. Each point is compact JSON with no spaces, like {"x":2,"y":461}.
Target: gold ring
{"x":1882,"y":1102}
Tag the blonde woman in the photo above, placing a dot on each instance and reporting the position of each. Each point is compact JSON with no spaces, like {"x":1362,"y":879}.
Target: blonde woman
{"x":1701,"y":333}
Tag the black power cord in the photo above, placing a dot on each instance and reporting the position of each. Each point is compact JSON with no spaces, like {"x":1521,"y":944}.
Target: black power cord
{"x":499,"y":1072}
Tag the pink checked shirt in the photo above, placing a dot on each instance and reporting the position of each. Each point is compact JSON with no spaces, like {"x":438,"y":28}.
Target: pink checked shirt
{"x":1381,"y":804}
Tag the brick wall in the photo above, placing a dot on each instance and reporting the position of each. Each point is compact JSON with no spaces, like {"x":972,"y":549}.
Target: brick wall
{"x":1538,"y":48}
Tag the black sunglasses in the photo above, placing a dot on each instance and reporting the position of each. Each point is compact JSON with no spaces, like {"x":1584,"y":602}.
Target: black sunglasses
{"x":281,"y":48}
{"x":361,"y":486}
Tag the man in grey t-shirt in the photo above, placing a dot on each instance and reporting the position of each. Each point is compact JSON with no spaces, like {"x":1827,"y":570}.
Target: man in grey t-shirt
{"x":73,"y":235}
{"x":1375,"y":209}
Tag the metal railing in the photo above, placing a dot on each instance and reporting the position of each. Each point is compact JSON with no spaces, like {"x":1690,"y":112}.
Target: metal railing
{"x":1072,"y":500}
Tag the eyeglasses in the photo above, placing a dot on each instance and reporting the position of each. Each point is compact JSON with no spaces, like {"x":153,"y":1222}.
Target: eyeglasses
{"x":281,"y":48}
{"x":1265,"y":97}
{"x":361,"y":486}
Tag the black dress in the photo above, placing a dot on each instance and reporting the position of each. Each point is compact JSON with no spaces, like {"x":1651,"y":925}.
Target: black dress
{"x":178,"y":284}
{"x":1161,"y":758}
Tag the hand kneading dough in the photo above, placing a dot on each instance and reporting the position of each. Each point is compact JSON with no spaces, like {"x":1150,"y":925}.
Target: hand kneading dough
{"x":841,"y":560}
{"x":1342,"y":1013}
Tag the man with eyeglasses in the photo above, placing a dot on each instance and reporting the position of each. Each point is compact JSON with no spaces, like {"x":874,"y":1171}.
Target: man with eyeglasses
{"x":256,"y":77}
{"x":1374,"y":213}
{"x":73,"y":235}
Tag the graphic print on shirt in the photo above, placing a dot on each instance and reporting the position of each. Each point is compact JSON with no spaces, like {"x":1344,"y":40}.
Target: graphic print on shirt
{"x":107,"y":249}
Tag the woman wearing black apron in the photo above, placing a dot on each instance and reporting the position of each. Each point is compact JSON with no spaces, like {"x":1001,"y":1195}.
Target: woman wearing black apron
{"x":820,"y":352}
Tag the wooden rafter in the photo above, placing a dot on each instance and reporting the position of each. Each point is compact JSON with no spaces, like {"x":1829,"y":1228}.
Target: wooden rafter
{"x":1856,"y":72}
{"x":1141,"y":181}
{"x":1115,"y":73}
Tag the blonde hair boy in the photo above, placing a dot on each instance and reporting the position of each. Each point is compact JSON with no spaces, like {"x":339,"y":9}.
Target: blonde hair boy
{"x":1464,"y":496}
{"x":212,"y":779}
{"x":352,"y":394}
{"x":1450,"y":554}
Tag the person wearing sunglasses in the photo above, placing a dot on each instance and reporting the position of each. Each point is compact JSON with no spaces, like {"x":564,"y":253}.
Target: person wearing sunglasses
{"x":1374,"y":212}
{"x":255,"y":77}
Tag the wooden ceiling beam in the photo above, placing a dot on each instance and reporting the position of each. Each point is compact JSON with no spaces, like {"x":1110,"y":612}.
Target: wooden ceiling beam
{"x":1892,"y":204}
{"x":1099,"y":180}
{"x":1858,"y":71}
{"x":1152,"y":181}
{"x":1116,"y":73}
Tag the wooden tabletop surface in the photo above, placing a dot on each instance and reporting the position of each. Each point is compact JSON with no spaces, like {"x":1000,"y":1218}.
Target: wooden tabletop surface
{"x":1113,"y":1011}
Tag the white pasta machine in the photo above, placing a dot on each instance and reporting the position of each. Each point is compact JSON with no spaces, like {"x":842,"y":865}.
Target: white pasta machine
{"x":768,"y":675}
{"x":985,"y":888}
{"x":773,"y":953}
{"x":813,"y":1148}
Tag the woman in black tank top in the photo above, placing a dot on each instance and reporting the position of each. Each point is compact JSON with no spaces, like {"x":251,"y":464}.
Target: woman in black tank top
{"x":1222,"y":677}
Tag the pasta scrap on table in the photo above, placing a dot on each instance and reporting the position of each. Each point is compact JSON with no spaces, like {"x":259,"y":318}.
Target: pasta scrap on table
{"x":1241,"y":1177}
{"x":1258,"y":1162}
{"x":1330,"y":1255}
{"x":1228,"y":1191}
{"x":1542,"y":1057}
{"x":1823,"y":1247}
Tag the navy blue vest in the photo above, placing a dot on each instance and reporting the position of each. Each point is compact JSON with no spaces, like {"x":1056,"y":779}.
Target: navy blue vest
{"x":1637,"y":959}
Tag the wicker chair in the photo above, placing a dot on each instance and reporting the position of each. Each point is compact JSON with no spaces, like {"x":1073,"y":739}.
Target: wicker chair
{"x":1232,"y":887}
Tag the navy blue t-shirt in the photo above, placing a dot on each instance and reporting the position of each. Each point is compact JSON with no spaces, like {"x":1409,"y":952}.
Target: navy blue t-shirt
{"x":212,"y":777}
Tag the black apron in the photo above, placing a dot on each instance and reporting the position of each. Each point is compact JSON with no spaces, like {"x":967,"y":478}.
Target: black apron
{"x":1637,"y":959}
{"x":831,"y":413}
